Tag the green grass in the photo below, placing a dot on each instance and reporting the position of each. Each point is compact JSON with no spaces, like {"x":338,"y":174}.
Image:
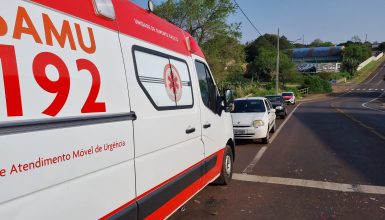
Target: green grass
{"x":361,"y":75}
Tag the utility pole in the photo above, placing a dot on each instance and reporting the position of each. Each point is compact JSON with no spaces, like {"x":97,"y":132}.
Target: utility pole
{"x":303,"y":40}
{"x":277,"y":74}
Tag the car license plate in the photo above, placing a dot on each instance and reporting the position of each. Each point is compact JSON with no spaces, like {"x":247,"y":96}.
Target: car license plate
{"x":239,"y":131}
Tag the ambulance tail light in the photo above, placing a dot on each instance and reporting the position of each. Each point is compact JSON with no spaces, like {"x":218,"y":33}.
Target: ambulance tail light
{"x":105,"y":8}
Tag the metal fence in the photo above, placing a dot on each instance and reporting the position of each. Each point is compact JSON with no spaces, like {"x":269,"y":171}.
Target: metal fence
{"x":304,"y":91}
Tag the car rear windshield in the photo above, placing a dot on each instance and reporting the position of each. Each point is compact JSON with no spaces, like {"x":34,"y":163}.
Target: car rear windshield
{"x":287,"y":94}
{"x":274,"y":98}
{"x":244,"y":106}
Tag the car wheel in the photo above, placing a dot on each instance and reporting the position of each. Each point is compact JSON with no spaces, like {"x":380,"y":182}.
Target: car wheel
{"x":266,"y":140}
{"x":284,"y":115}
{"x":227,"y":168}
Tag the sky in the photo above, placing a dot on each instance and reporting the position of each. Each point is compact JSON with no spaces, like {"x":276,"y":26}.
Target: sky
{"x":330,"y":20}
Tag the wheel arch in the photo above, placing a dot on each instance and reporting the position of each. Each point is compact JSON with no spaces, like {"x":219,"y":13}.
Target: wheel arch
{"x":231,"y":143}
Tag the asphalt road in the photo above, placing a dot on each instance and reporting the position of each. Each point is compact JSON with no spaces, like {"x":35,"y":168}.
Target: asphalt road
{"x":326,"y":162}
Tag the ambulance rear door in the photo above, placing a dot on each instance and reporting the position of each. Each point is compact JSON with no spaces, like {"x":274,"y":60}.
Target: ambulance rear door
{"x":66,"y":133}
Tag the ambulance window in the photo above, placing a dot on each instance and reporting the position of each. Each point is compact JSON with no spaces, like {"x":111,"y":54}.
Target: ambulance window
{"x":203,"y":82}
{"x":207,"y":86}
{"x":164,"y":79}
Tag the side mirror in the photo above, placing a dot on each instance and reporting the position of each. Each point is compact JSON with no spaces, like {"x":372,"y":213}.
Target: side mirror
{"x":228,"y":99}
{"x":272,"y":110}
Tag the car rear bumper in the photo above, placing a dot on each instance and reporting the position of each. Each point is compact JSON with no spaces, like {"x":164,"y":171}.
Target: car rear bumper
{"x":280,"y":112}
{"x":290,"y":101}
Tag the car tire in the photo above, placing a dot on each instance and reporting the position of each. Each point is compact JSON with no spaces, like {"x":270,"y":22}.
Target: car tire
{"x":284,"y":115}
{"x":266,"y":140}
{"x":227,"y":167}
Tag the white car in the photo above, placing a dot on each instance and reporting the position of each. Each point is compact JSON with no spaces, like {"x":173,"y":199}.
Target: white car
{"x":253,"y":118}
{"x":289,"y":97}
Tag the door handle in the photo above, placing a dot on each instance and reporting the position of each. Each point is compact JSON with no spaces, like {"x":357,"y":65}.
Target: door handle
{"x":207,"y":125}
{"x":190,"y":130}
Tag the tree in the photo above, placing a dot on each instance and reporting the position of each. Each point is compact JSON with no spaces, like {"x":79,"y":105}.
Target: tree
{"x":319,"y":43}
{"x":264,"y":66}
{"x":350,"y":65}
{"x":381,"y":46}
{"x":358,"y":52}
{"x":299,"y":45}
{"x":203,"y":19}
{"x":356,"y":39}
{"x":287,"y":69}
{"x":225,"y":55}
{"x":266,"y":41}
{"x":347,"y":43}
{"x":353,"y":55}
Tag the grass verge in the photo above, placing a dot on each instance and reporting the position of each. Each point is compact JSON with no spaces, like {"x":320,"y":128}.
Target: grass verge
{"x":367,"y":70}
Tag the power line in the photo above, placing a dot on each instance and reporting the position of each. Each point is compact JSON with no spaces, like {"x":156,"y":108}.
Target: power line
{"x":236,"y":3}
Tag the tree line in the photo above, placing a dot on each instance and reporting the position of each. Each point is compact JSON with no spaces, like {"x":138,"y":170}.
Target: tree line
{"x":206,"y":21}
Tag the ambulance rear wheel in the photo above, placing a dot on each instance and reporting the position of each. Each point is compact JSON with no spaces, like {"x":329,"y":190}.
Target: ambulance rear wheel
{"x":227,"y":167}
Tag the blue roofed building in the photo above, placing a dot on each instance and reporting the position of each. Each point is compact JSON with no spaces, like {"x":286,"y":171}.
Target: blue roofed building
{"x":318,"y":59}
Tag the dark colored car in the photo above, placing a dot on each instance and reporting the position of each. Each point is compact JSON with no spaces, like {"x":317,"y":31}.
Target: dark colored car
{"x":278,"y":104}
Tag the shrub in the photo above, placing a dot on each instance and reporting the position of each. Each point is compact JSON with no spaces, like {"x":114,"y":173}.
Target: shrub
{"x":232,"y":81}
{"x":326,"y":75}
{"x":316,"y":84}
{"x":341,"y":75}
{"x":296,"y":92}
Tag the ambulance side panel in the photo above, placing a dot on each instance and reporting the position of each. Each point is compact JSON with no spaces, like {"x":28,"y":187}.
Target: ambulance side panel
{"x":62,"y":160}
{"x":163,"y":148}
{"x":170,"y":158}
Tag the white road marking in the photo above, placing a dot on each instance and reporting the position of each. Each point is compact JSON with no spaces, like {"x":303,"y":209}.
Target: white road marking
{"x":365,"y":104}
{"x":358,"y":89}
{"x":260,"y":153}
{"x":375,"y":75}
{"x":363,"y":89}
{"x":283,"y":123}
{"x":257,"y":157}
{"x":369,"y":89}
{"x":342,"y":187}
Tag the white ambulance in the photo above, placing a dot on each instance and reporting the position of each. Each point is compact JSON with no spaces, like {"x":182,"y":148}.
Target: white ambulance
{"x":106,"y":112}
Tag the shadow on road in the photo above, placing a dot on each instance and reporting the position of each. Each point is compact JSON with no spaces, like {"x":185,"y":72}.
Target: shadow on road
{"x":323,"y":144}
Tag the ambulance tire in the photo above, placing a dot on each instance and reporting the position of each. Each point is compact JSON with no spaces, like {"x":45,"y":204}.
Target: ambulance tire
{"x":227,"y":167}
